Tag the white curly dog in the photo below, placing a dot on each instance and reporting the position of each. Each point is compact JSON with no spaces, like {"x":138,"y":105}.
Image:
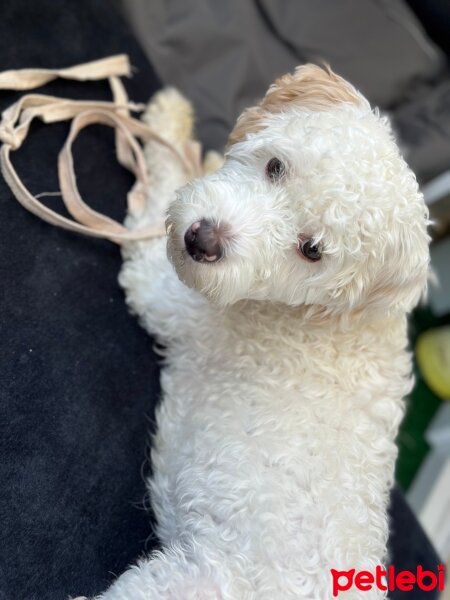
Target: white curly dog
{"x":282,"y":312}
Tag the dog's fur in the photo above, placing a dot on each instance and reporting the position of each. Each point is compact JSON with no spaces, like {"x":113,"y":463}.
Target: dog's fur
{"x":283,"y":379}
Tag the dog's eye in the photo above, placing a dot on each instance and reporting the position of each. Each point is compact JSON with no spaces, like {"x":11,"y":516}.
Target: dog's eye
{"x":310,"y":250}
{"x":275,"y":169}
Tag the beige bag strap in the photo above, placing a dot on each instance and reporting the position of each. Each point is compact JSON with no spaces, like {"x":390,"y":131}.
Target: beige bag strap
{"x":16,"y":122}
{"x":28,"y":79}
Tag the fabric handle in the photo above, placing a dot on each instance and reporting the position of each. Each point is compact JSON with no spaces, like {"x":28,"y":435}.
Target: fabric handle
{"x":14,"y":128}
{"x":28,"y":79}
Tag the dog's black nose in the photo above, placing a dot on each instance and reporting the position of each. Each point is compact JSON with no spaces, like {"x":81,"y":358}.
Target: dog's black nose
{"x":202,"y":240}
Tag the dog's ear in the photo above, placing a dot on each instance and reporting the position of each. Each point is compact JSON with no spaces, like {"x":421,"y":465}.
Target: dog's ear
{"x":250,"y":121}
{"x":395,"y":280}
{"x":310,"y":87}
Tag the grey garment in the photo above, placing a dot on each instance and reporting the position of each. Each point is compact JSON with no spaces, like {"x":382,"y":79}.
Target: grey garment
{"x":223,"y":54}
{"x":376,"y":44}
{"x":220,"y":54}
{"x":423,"y":126}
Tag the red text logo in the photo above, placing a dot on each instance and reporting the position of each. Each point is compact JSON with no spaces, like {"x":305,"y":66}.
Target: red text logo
{"x":388,"y":579}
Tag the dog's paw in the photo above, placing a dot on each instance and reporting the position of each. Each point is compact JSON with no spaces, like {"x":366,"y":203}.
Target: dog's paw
{"x":171,"y":115}
{"x":212,"y":162}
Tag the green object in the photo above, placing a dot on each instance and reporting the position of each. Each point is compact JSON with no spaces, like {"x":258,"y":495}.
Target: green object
{"x":433,"y":358}
{"x":421,"y":406}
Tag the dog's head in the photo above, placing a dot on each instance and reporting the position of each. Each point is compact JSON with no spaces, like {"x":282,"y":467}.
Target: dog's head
{"x":313,"y":205}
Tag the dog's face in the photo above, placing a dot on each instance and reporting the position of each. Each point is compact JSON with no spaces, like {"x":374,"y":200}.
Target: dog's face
{"x":313,"y":205}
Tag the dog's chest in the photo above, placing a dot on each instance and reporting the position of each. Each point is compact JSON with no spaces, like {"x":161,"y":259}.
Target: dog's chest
{"x":271,"y":363}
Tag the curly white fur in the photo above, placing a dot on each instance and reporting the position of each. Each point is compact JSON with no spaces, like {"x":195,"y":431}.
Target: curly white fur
{"x":283,"y":379}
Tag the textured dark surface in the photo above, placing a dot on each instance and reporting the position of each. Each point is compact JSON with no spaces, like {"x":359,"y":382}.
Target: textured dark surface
{"x":409,"y":547}
{"x":79,"y":380}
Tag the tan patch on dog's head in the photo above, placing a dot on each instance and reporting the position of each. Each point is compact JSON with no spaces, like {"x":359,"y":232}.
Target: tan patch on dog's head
{"x":310,"y":86}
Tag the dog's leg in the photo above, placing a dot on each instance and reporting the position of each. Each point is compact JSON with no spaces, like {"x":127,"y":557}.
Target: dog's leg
{"x":153,"y":291}
{"x":170,"y":115}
